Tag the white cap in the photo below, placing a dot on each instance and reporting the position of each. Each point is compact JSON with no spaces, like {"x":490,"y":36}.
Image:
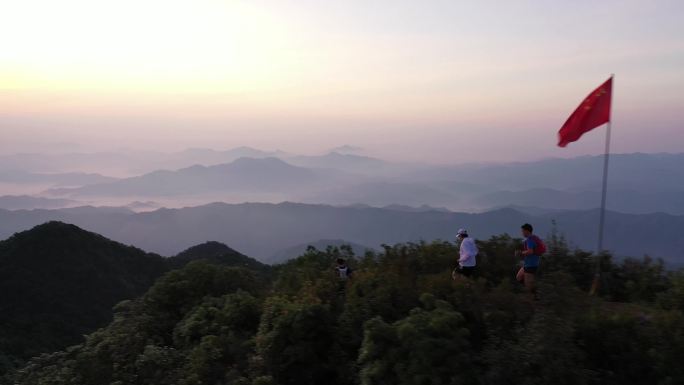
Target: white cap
{"x":461,"y":232}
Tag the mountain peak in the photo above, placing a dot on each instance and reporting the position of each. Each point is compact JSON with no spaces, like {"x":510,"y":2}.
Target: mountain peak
{"x":245,"y":148}
{"x":218,"y":253}
{"x":58,"y":238}
{"x":206,"y":249}
{"x":268,"y":160}
{"x":260,"y":168}
{"x":56,"y":228}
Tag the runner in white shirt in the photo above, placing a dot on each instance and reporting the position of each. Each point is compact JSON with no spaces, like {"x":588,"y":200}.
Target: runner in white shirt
{"x":468,"y":253}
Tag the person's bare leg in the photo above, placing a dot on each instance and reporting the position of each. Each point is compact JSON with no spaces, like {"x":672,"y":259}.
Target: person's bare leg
{"x":520,"y":277}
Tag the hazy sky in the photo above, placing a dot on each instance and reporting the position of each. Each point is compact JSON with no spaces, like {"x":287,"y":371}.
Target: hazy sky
{"x":440,"y":81}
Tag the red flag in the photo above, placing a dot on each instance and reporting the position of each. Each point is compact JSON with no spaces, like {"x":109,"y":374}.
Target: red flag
{"x":591,"y":113}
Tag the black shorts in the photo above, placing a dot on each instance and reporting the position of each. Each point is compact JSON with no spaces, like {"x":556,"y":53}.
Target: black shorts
{"x":531,"y":270}
{"x":466,"y":271}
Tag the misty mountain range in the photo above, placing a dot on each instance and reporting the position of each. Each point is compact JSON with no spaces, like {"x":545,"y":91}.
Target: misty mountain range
{"x":265,"y":231}
{"x":270,"y":175}
{"x":127,"y":162}
{"x":141,"y":162}
{"x":345,"y":197}
{"x":638,"y":183}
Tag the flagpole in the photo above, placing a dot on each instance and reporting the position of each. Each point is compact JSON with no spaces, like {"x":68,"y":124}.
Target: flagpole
{"x":602,"y":218}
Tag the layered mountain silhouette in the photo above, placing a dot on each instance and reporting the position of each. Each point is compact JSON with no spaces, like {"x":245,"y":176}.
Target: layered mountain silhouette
{"x":345,"y":162}
{"x":638,"y":183}
{"x":242,"y":175}
{"x":128,"y":162}
{"x":627,"y":200}
{"x":262,"y":230}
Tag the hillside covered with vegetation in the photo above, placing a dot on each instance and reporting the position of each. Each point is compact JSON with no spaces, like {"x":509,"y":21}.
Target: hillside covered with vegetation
{"x":400,"y":320}
{"x":59,"y":282}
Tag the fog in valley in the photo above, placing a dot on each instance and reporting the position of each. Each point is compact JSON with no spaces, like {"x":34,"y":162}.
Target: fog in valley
{"x":344,"y":194}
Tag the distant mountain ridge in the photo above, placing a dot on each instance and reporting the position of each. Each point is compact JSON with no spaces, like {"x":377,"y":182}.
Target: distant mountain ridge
{"x":344,"y":162}
{"x":127,"y":162}
{"x":627,"y":171}
{"x":638,"y":183}
{"x":321,"y":244}
{"x":243,"y":174}
{"x":262,"y":230}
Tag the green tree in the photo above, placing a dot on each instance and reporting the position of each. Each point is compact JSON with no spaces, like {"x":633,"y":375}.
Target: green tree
{"x":295,"y":341}
{"x":430,"y":346}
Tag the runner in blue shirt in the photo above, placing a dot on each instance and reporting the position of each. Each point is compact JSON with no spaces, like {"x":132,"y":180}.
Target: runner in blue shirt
{"x":531,"y":259}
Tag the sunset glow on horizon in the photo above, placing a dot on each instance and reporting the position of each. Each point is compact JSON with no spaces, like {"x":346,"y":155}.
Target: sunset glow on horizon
{"x":382,"y":75}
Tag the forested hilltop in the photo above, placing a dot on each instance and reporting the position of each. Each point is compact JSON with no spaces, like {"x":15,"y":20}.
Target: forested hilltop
{"x":59,"y":282}
{"x":400,"y":320}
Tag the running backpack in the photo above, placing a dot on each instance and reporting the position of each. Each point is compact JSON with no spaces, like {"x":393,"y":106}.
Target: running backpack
{"x":541,"y":247}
